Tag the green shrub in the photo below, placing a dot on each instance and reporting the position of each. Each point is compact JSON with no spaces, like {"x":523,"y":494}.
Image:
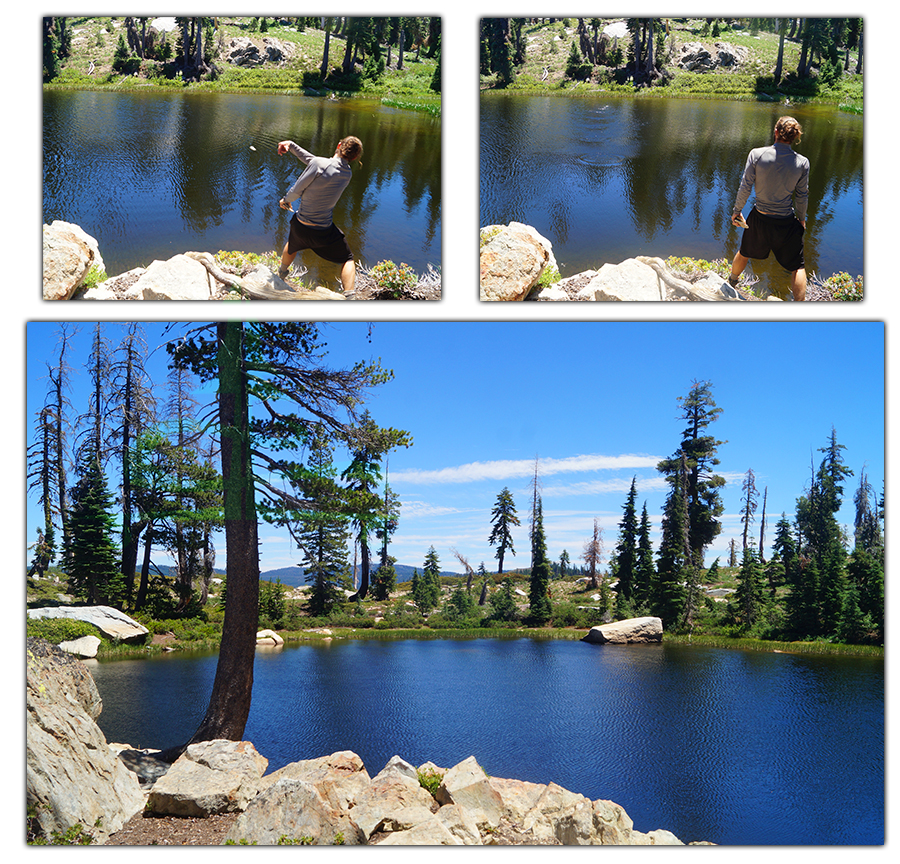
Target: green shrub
{"x":394,"y":280}
{"x":430,"y":781}
{"x":58,"y":630}
{"x":844,"y":287}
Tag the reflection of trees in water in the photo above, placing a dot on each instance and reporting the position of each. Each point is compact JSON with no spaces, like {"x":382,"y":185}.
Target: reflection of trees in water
{"x":654,"y":162}
{"x":143,"y":170}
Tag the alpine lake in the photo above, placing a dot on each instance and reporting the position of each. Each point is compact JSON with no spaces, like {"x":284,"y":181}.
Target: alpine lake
{"x":728,"y":746}
{"x":152,"y":174}
{"x":605,"y":179}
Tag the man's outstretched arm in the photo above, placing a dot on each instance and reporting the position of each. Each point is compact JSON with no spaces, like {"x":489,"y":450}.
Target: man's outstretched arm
{"x":295,"y":150}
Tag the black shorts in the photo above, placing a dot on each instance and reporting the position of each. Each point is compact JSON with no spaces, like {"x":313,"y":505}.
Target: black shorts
{"x":328,"y":243}
{"x":783,"y":236}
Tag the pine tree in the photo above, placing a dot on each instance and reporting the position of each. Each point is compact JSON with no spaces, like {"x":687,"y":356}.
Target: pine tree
{"x":701,"y":485}
{"x":667,"y":594}
{"x":865,"y":574}
{"x":280,"y":365}
{"x":322,"y":530}
{"x":503,"y":605}
{"x":822,"y":536}
{"x":503,"y":517}
{"x":645,"y":571}
{"x":855,"y":625}
{"x":42,"y":476}
{"x":749,"y":593}
{"x":427,"y":587}
{"x":94,"y":574}
{"x":363,"y":476}
{"x":626,"y":549}
{"x":780,"y":568}
{"x":540,"y":608}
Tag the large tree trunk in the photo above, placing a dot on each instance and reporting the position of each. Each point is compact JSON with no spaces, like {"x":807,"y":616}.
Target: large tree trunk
{"x":323,"y":69}
{"x":779,"y":65}
{"x":363,"y":573}
{"x":144,"y":583}
{"x":229,"y":703}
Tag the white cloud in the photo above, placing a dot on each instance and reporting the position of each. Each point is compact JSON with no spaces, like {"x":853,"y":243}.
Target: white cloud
{"x":507,"y":468}
{"x":600,"y":487}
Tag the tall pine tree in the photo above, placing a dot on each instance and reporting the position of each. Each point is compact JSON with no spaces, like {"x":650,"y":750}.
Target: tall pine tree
{"x":626,"y":560}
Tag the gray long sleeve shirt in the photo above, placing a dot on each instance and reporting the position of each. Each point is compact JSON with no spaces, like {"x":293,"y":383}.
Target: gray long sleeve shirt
{"x":779,"y":174}
{"x":319,"y":187}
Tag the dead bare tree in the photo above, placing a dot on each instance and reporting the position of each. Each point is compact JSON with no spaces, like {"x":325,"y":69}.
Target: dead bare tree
{"x":470,"y":573}
{"x":593,"y":552}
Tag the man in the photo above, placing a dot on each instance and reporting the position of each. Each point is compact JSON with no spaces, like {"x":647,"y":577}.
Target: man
{"x":774,"y":223}
{"x":318,"y":189}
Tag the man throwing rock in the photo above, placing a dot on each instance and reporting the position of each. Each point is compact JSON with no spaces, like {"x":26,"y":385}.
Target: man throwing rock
{"x":777,"y":221}
{"x":318,"y":189}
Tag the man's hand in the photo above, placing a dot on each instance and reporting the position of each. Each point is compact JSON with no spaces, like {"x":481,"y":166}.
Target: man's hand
{"x":283,"y":147}
{"x":284,"y":205}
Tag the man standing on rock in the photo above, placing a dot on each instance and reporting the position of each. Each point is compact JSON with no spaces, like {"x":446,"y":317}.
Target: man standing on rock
{"x":775,"y":224}
{"x":318,"y":189}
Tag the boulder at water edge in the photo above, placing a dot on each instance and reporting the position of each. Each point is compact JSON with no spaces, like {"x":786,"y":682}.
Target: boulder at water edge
{"x":512,"y":259}
{"x":71,"y":775}
{"x":629,"y":631}
{"x":113,"y":623}
{"x":68,"y":255}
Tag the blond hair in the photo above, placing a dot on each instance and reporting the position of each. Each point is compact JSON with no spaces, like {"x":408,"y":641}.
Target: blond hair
{"x":788,"y":129}
{"x":350,"y":148}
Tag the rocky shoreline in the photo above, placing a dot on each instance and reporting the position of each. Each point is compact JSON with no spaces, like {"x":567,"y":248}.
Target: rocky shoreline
{"x":219,"y":791}
{"x":71,"y":256}
{"x":516,"y":261}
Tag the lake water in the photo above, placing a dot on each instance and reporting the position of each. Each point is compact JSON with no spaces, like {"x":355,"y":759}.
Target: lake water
{"x":151,"y":175}
{"x":728,"y":746}
{"x":607,"y":179}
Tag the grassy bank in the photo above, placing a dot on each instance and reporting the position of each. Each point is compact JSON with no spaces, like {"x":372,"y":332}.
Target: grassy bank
{"x":90,"y":66}
{"x":576,"y":608}
{"x":547,"y":55}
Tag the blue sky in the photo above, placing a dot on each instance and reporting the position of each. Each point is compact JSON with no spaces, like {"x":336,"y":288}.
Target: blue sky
{"x":595,"y":403}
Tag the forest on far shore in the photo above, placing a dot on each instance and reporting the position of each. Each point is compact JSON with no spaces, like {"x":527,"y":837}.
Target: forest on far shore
{"x":770,"y":59}
{"x":166,"y":455}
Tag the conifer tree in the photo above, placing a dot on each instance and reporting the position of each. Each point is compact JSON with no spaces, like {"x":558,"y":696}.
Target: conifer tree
{"x":822,"y":539}
{"x":94,"y":573}
{"x":855,"y":625}
{"x":503,"y":517}
{"x":540,"y":608}
{"x":279,"y":365}
{"x":626,"y":550}
{"x":667,"y":594}
{"x":749,"y":596}
{"x":42,"y":476}
{"x":427,"y":587}
{"x":322,"y":529}
{"x":645,"y":571}
{"x":503,"y":605}
{"x":701,"y":485}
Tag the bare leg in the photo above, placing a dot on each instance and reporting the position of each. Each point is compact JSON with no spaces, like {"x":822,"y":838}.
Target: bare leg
{"x":287,"y":258}
{"x":738,"y":265}
{"x":348,"y":276}
{"x":798,"y":284}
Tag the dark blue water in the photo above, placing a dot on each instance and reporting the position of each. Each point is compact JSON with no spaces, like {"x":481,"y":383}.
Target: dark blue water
{"x":150,"y":175}
{"x":606,"y":179}
{"x":728,"y":746}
